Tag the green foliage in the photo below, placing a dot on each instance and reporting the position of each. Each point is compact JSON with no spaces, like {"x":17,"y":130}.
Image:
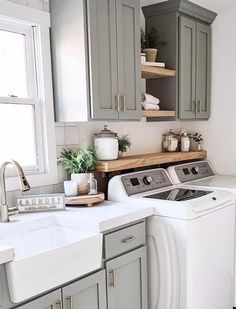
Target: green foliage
{"x":78,"y":160}
{"x":151,"y":39}
{"x":124,"y":143}
{"x":197,"y":137}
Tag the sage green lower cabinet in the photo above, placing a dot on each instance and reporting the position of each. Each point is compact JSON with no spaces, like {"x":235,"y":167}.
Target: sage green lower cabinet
{"x":127,"y":280}
{"x":48,"y":301}
{"x":88,"y":293}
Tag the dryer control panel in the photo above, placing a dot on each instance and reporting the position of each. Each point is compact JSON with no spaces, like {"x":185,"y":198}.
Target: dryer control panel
{"x":193,"y":171}
{"x":140,"y":182}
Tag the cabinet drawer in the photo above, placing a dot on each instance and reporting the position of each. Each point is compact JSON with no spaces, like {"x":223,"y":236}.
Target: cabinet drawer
{"x":124,"y":240}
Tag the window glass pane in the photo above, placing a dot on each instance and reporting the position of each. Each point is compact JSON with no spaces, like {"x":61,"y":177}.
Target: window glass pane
{"x":17,"y":133}
{"x":13,"y":75}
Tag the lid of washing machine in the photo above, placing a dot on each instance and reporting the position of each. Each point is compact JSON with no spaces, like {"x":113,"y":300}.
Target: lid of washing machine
{"x":178,"y":194}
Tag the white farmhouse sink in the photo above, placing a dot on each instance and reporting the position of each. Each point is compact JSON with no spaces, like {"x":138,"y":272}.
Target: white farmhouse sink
{"x":47,"y":255}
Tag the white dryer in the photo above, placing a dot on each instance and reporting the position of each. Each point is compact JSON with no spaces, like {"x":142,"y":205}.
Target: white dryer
{"x":200,"y":174}
{"x":190,"y":240}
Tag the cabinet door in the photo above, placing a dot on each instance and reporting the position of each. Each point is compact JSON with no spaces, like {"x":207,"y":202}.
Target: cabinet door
{"x":127,"y":281}
{"x":187,"y":68}
{"x":87,"y":293}
{"x":203,"y":71}
{"x":48,"y":301}
{"x":101,"y":17}
{"x":129,"y":63}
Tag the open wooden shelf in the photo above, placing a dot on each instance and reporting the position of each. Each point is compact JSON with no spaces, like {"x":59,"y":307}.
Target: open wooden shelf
{"x":160,"y":113}
{"x":149,"y":72}
{"x":150,"y":159}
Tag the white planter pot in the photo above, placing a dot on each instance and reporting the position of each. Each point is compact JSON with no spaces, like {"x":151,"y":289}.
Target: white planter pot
{"x":82,"y":182}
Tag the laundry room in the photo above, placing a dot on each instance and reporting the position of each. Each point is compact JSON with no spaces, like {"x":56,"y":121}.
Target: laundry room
{"x":117,"y":165}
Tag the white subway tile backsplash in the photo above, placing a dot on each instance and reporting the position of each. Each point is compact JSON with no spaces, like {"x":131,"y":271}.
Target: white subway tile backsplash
{"x":42,"y":5}
{"x":59,"y":188}
{"x":46,"y":190}
{"x":36,"y":4}
{"x":46,"y":6}
{"x":24,"y":2}
{"x":11,"y":197}
{"x":60,"y":136}
{"x":32,"y":191}
{"x":71,"y":135}
{"x":61,"y":174}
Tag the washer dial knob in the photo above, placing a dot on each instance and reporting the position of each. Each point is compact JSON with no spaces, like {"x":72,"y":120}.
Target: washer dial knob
{"x":195,"y":170}
{"x":147,"y":180}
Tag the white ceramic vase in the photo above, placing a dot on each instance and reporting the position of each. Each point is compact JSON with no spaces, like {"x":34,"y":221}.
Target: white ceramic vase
{"x":82,"y":182}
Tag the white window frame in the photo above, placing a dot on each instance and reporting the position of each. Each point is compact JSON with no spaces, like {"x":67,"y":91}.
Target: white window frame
{"x":35,"y":24}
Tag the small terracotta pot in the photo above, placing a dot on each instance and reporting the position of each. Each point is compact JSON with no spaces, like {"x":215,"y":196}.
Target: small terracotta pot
{"x":151,"y":54}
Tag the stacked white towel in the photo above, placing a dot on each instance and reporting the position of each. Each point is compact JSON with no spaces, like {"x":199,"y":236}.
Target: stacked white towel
{"x":150,"y":102}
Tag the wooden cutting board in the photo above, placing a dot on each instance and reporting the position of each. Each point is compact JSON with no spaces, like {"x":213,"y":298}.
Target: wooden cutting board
{"x":86,"y":200}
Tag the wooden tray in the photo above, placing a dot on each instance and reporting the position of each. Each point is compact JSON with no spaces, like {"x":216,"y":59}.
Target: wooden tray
{"x":86,"y":200}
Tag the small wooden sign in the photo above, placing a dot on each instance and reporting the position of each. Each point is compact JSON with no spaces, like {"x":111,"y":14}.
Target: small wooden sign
{"x":38,"y":203}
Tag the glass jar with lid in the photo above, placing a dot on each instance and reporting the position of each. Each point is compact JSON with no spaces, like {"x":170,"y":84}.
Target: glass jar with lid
{"x":170,"y":142}
{"x":106,"y":144}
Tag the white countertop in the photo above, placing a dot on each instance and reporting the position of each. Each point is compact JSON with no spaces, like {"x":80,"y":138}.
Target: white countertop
{"x":100,"y":218}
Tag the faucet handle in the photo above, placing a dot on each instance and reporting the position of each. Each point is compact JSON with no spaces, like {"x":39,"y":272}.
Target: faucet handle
{"x":13,"y":211}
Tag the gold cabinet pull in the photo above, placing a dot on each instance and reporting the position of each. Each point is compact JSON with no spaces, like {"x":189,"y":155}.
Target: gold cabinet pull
{"x":70,"y":300}
{"x":112,"y":284}
{"x":196,"y":103}
{"x":59,"y":304}
{"x":117,"y":102}
{"x":200,"y":106}
{"x":127,"y":240}
{"x":124,"y":103}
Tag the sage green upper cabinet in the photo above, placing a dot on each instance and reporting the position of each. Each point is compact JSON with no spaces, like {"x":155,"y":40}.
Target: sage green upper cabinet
{"x":96,"y":59}
{"x":194,"y":77}
{"x":185,"y":32}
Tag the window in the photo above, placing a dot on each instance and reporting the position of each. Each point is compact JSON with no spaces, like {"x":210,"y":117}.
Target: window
{"x":27,"y":132}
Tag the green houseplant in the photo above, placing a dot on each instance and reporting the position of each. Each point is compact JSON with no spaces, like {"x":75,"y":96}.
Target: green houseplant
{"x":124,"y":143}
{"x":79,"y":162}
{"x":198,"y":140}
{"x":150,"y":42}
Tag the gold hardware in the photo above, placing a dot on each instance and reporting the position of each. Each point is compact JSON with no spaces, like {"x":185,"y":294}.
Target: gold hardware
{"x":117,"y":102}
{"x":128,"y":239}
{"x":196,"y":102}
{"x":200,"y":106}
{"x":59,"y":304}
{"x":123,"y":103}
{"x":112,"y":284}
{"x":70,"y":300}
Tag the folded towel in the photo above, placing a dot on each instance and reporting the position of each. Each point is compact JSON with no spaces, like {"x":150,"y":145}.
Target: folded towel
{"x":150,"y":106}
{"x":151,"y":99}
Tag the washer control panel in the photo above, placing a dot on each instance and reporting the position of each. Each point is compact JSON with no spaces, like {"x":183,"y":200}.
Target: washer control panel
{"x":193,"y":171}
{"x":140,"y":182}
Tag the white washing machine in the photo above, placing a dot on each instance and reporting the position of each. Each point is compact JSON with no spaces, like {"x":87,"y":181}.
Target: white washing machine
{"x":200,"y":174}
{"x":190,"y":240}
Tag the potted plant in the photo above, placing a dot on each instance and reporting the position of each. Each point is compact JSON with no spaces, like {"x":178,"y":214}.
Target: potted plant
{"x":198,"y":140}
{"x":79,"y":162}
{"x":149,"y":43}
{"x":124,"y":144}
